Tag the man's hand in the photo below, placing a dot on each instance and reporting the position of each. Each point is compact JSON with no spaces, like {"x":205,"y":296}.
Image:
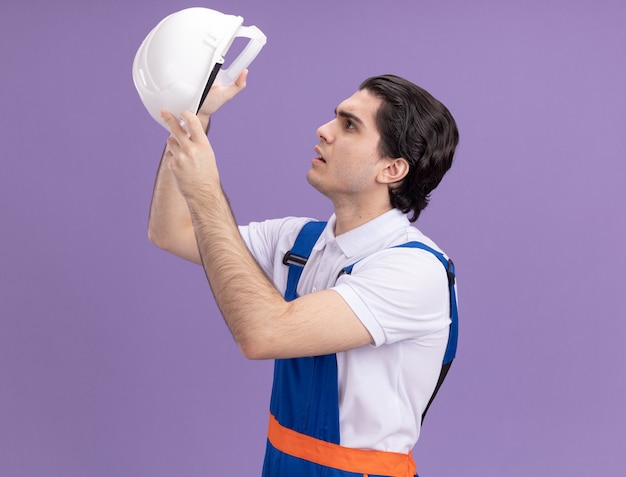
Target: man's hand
{"x":190,"y":156}
{"x":220,"y":95}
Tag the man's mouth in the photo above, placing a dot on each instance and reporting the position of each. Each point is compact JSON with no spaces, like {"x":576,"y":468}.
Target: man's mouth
{"x":319,"y":154}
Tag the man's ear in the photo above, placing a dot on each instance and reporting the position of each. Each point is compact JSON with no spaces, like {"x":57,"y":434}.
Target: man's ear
{"x":394,"y":171}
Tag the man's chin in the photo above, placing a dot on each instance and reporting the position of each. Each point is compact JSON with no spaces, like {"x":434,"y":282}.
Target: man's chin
{"x":313,"y":181}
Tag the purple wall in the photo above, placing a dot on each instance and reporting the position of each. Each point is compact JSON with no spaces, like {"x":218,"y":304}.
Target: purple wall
{"x":113,"y":359}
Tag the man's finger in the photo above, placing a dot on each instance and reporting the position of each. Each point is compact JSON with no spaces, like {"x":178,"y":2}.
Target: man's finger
{"x":194,"y":126}
{"x":173,"y":124}
{"x":240,"y":82}
{"x":172,"y":146}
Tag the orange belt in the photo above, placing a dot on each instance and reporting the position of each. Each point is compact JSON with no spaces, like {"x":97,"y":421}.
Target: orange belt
{"x":338,"y":457}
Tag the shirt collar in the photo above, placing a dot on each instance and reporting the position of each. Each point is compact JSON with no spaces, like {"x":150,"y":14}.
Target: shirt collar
{"x":369,"y":236}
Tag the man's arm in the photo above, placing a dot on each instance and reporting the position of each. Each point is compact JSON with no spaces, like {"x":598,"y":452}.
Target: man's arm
{"x":170,"y":226}
{"x":262,"y":323}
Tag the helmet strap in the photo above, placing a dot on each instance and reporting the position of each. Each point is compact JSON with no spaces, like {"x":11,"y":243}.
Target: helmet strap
{"x":209,"y":83}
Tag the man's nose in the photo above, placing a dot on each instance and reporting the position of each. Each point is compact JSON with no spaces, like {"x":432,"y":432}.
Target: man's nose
{"x":324,"y":132}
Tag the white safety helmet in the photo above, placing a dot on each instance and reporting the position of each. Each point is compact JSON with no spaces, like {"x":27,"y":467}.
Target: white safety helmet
{"x":180,"y":58}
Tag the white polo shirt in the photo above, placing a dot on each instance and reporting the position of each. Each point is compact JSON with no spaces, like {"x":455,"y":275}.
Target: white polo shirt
{"x":399,"y":294}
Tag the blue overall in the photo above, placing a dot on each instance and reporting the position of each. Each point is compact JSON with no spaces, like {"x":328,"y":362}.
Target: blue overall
{"x":305,"y":390}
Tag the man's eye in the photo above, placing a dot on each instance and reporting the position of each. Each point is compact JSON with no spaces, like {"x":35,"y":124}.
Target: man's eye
{"x":349,"y":124}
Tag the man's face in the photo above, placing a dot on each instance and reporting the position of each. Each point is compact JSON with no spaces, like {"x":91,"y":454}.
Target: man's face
{"x":348,"y":159}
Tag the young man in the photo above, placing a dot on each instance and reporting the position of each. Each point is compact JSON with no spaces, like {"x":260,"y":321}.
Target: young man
{"x":358,"y":350}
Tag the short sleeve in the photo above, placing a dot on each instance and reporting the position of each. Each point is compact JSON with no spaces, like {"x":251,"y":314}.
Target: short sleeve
{"x":398,"y":294}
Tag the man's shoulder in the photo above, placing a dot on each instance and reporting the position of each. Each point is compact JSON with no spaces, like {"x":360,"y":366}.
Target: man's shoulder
{"x":399,"y":255}
{"x":416,"y":235}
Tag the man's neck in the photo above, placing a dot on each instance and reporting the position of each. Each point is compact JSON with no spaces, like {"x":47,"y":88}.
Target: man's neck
{"x":349,"y":218}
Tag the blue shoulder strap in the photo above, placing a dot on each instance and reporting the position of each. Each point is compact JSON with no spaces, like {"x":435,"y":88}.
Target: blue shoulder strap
{"x":297,"y":257}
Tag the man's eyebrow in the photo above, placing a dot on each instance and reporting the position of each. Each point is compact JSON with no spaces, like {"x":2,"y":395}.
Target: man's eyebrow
{"x":345,"y":114}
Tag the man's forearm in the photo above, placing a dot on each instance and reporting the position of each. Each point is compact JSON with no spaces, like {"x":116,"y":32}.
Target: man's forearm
{"x":168,"y":208}
{"x":245,"y":296}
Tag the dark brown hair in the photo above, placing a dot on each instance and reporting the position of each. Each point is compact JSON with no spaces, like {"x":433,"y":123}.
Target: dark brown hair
{"x":415,"y":126}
